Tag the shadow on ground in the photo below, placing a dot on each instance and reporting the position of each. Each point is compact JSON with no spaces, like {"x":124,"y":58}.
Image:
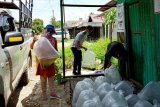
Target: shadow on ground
{"x":13,"y":100}
{"x":35,"y":98}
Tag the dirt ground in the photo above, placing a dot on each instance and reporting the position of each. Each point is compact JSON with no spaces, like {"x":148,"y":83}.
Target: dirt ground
{"x":30,"y":95}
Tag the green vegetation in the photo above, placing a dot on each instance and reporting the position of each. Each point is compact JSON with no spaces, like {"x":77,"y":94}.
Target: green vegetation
{"x":57,"y":24}
{"x":98,"y":47}
{"x":37,"y":26}
{"x":109,"y":20}
{"x":110,"y":16}
{"x":68,"y":59}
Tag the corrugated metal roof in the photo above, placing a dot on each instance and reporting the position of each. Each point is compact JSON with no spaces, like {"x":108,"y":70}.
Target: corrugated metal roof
{"x":97,"y":18}
{"x":8,"y":5}
{"x":108,"y":5}
{"x":93,"y":24}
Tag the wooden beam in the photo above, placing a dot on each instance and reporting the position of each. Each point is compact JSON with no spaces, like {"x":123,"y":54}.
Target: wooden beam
{"x":89,"y":75}
{"x":81,"y":5}
{"x":8,"y":5}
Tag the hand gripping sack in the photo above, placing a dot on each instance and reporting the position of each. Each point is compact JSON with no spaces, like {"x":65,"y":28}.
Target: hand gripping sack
{"x":45,"y":52}
{"x":89,"y":59}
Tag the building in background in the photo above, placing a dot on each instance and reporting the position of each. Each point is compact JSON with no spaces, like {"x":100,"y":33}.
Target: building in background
{"x":93,"y":20}
{"x":110,"y":30}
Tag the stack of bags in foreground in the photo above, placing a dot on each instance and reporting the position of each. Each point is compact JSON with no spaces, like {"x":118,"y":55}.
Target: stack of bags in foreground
{"x":110,"y":91}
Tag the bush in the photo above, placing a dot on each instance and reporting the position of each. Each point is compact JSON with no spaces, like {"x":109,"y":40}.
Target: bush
{"x":59,"y":63}
{"x":98,"y":47}
{"x":68,"y":58}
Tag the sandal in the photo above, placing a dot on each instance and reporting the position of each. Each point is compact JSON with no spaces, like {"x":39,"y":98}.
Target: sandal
{"x":55,"y":96}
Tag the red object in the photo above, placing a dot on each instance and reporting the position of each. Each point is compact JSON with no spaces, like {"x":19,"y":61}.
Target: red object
{"x":48,"y":72}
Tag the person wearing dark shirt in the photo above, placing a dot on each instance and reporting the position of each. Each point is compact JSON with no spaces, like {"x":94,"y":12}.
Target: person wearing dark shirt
{"x":117,"y":50}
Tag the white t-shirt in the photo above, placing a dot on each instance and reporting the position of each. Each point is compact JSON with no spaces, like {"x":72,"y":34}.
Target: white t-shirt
{"x":81,"y":36}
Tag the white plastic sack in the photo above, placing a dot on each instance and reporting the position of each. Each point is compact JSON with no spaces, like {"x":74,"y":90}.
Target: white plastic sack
{"x":156,"y":103}
{"x":113,"y":72}
{"x":91,"y":103}
{"x":45,"y":52}
{"x":117,"y":105}
{"x":87,"y":95}
{"x":103,"y":89}
{"x":90,"y":81}
{"x":98,"y":81}
{"x":108,"y":78}
{"x":132,"y":99}
{"x":150,"y":92}
{"x":113,"y":98}
{"x":89,"y":59}
{"x":143,"y":103}
{"x":125,"y":86}
{"x":80,"y":86}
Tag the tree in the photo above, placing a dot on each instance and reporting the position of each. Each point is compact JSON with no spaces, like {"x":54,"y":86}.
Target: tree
{"x":110,"y":17}
{"x":57,"y":24}
{"x":37,"y":26}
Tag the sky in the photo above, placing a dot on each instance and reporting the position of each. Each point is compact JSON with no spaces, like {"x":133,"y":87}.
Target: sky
{"x":45,"y":9}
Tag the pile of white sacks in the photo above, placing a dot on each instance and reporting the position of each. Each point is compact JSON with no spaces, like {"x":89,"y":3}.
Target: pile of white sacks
{"x":110,"y":91}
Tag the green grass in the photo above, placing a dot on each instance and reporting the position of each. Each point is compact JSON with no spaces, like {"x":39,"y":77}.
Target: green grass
{"x":98,"y":47}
